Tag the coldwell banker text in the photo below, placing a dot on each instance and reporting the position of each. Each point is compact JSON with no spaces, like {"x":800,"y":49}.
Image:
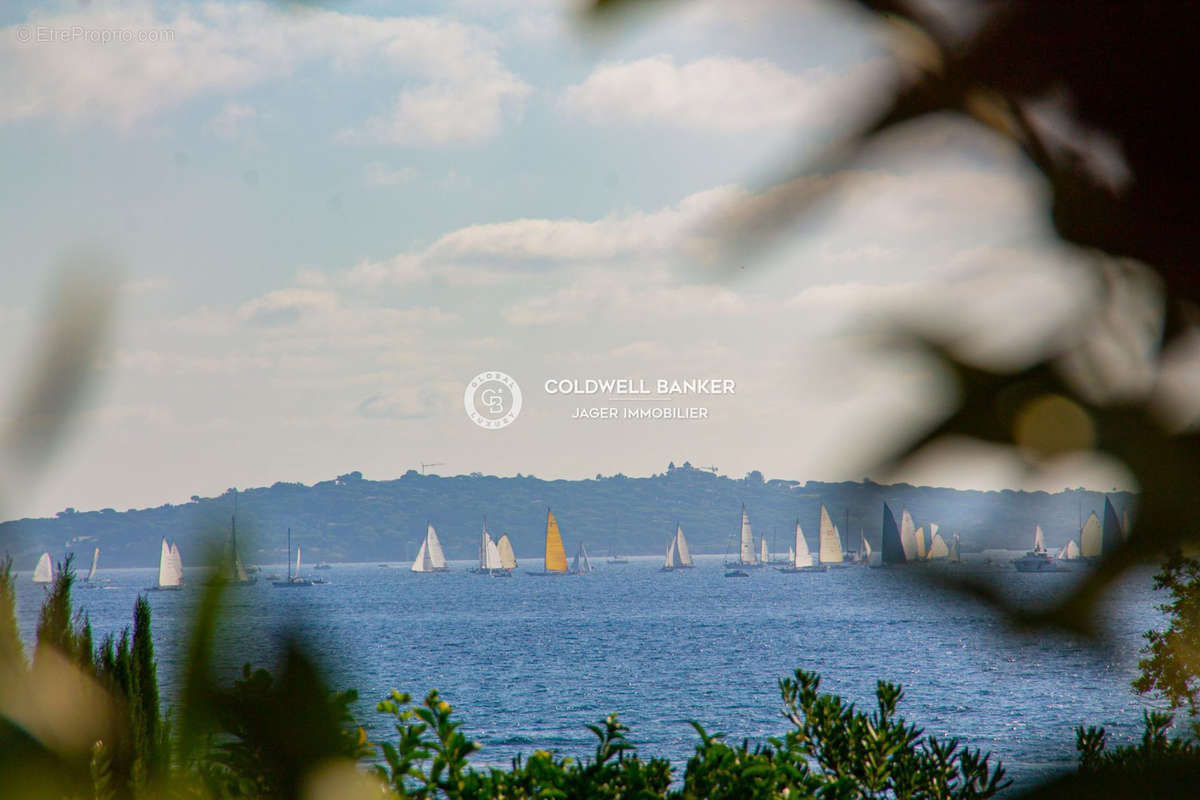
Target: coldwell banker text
{"x":630,"y":389}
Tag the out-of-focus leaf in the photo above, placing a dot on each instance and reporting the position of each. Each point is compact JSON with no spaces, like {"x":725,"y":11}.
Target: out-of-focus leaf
{"x":1167,"y":468}
{"x":75,"y":334}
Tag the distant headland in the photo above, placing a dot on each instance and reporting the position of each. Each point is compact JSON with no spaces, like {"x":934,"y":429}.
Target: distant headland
{"x":350,"y":518}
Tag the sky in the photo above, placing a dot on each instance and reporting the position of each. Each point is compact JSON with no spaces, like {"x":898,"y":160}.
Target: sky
{"x":326,"y":219}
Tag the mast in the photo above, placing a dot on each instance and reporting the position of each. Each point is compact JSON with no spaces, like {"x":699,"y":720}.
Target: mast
{"x":289,"y":563}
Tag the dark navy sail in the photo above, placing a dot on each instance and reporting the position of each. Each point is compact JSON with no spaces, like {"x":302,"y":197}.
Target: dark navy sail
{"x":893,"y":551}
{"x":1111,"y":536}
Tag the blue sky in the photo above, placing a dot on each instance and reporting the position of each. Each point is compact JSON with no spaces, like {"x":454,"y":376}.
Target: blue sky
{"x":329,"y":218}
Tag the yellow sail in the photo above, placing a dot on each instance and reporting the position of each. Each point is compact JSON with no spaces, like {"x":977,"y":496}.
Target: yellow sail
{"x":556,"y":555}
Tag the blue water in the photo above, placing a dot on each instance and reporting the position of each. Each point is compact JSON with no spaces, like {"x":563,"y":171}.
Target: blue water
{"x":528,"y":661}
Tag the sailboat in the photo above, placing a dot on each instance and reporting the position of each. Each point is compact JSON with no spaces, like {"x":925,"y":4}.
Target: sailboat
{"x":508,"y":559}
{"x":233,"y":571}
{"x":1112,"y":533}
{"x":893,"y":544}
{"x":955,"y":556}
{"x":1070,"y":552}
{"x":582,"y":565}
{"x":830,"y":552}
{"x":908,"y":535}
{"x":489,"y":556}
{"x":292,"y":580}
{"x":745,"y":551}
{"x":1037,"y":559}
{"x":89,"y":580}
{"x":95,"y":563}
{"x":764,"y":557}
{"x":1090,"y":537}
{"x":556,"y":555}
{"x":678,"y":554}
{"x":170,"y":568}
{"x":430,"y":557}
{"x":800,"y":559}
{"x":44,"y":571}
{"x":919,"y":536}
{"x":938,"y":548}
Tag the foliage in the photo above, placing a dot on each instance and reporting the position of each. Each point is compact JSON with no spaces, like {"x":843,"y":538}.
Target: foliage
{"x":270,"y":731}
{"x":430,"y":759}
{"x":1158,"y":766}
{"x":12,"y":652}
{"x":832,"y":751}
{"x":1171,"y":668}
{"x":836,"y":751}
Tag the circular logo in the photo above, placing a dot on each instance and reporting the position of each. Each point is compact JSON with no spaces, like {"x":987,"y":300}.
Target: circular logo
{"x":492,"y":400}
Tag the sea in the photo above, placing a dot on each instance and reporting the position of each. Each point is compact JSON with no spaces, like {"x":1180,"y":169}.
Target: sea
{"x":528,"y":661}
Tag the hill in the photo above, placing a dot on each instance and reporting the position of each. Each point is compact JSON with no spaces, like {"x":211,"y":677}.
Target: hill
{"x":353,"y":519}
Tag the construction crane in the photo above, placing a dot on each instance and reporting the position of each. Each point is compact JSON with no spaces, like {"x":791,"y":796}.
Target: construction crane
{"x":432,"y":464}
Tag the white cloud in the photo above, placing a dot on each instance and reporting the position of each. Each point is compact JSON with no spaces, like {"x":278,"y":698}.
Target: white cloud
{"x":285,"y":306}
{"x":445,"y":113}
{"x":399,"y":404}
{"x":230,"y":121}
{"x":717,"y":93}
{"x":155,"y":362}
{"x":616,"y":298}
{"x":379,"y":174}
{"x":139,"y":287}
{"x":455,"y":87}
{"x":613,"y":236}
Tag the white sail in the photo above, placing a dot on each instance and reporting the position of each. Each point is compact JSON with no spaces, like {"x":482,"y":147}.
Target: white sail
{"x":164,"y":563}
{"x":581,"y":563}
{"x":672,"y":547}
{"x":954,"y":554}
{"x":681,"y":547}
{"x":1039,"y":539}
{"x":176,"y":563}
{"x":763,"y":555}
{"x":801,"y":556}
{"x":1091,"y":537}
{"x":919,"y":536}
{"x":908,"y":535}
{"x":1069,"y":552}
{"x":746,"y":551}
{"x":44,"y":571}
{"x":866,"y":549}
{"x":436,"y":556}
{"x":422,"y":563}
{"x":492,"y":556}
{"x":791,"y":554}
{"x":938,"y":547}
{"x":831,"y":543}
{"x":484,"y":541}
{"x":508,"y":559}
{"x":297,"y":561}
{"x":170,"y":565}
{"x":95,"y":562}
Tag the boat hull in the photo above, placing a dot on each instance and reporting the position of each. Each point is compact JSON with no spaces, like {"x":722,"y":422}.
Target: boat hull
{"x":736,"y":573}
{"x":791,"y":570}
{"x":1038,"y":563}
